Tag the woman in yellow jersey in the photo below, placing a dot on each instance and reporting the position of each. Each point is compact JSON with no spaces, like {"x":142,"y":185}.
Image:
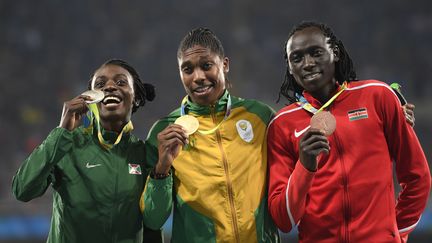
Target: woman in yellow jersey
{"x":215,"y":163}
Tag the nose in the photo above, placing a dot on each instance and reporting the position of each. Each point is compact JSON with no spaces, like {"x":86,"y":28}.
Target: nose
{"x":198,"y":75}
{"x":308,"y":61}
{"x":109,"y":86}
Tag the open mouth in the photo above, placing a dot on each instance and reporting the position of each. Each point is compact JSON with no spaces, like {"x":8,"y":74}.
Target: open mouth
{"x":312,"y":76}
{"x":203,"y":89}
{"x":111,"y":100}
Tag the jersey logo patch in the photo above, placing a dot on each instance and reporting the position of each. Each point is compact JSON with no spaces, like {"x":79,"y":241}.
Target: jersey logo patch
{"x":245,"y":131}
{"x":357,"y":114}
{"x":299,"y":133}
{"x":89,"y":166}
{"x":134,"y":169}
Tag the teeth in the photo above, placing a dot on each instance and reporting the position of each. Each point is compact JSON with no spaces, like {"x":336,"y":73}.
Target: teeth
{"x":202,"y":89}
{"x":312,"y":75}
{"x":111,"y":98}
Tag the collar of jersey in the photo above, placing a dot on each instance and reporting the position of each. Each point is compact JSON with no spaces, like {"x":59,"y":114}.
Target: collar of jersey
{"x":110,"y":136}
{"x":220,"y":106}
{"x":316,"y":103}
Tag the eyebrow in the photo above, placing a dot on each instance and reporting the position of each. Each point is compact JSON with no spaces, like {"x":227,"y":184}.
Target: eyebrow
{"x":311,"y":48}
{"x":115,"y":76}
{"x":103,"y":78}
{"x":121,"y":75}
{"x":185,"y":64}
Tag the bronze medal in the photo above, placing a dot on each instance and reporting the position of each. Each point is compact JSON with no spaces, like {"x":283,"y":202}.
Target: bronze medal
{"x":324,"y":121}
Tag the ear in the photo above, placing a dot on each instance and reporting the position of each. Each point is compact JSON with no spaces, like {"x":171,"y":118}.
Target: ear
{"x":225,"y":65}
{"x":336,"y":53}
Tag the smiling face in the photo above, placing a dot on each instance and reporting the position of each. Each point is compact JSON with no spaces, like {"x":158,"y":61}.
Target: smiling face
{"x":203,"y":74}
{"x":312,"y":61}
{"x":117,"y":85}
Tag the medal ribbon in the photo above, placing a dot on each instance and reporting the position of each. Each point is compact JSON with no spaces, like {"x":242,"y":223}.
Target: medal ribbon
{"x":307,"y":106}
{"x":207,"y":132}
{"x":106,"y":145}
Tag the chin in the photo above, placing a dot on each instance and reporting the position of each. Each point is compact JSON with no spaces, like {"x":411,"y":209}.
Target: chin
{"x":113,"y":115}
{"x":207,"y":101}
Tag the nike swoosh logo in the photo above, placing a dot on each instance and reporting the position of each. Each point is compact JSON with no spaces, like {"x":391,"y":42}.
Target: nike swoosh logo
{"x":297,"y":134}
{"x":92,"y":166}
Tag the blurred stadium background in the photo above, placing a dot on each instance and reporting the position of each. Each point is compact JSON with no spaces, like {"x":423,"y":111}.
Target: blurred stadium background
{"x":49,"y":49}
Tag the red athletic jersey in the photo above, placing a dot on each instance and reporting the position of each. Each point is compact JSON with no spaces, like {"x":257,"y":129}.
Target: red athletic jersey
{"x":350,"y":198}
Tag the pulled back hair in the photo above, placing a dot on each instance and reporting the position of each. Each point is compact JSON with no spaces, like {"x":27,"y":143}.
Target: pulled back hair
{"x":143,"y":91}
{"x":206,"y":38}
{"x":203,"y":37}
{"x":344,"y":69}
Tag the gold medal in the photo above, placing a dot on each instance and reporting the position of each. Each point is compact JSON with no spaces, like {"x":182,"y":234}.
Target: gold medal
{"x":324,"y":121}
{"x":95,"y":95}
{"x":189,"y":123}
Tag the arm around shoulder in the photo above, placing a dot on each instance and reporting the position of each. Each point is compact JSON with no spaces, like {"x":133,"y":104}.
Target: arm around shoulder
{"x":412,"y":168}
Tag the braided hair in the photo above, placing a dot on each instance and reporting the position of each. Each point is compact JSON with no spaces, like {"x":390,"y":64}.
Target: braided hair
{"x":344,"y":69}
{"x":203,"y":37}
{"x":143,"y":91}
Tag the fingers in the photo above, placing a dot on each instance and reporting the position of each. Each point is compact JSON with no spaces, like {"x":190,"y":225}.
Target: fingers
{"x":77,"y":104}
{"x":311,"y":145}
{"x":314,"y":142}
{"x":171,"y":139}
{"x":172,"y":135}
{"x":409,"y":113}
{"x":72,"y":112}
{"x":410,"y":106}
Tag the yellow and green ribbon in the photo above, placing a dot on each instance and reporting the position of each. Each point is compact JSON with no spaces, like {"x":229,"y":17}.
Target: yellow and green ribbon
{"x":207,"y":132}
{"x":307,"y":106}
{"x":105,"y":144}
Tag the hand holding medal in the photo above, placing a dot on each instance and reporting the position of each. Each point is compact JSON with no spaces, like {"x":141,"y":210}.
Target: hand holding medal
{"x":315,"y":142}
{"x":74,"y":110}
{"x":95,"y":97}
{"x":189,"y":123}
{"x":324,"y":121}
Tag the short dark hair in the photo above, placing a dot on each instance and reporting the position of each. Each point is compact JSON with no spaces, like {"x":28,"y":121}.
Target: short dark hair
{"x":203,"y":37}
{"x":344,"y":68}
{"x":143,"y":91}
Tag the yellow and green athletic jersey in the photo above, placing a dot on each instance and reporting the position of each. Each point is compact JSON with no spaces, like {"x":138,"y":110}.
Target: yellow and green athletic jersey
{"x":96,"y":192}
{"x":219,"y":180}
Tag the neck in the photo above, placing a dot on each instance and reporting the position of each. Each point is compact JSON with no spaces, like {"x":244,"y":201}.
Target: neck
{"x":116,"y":126}
{"x":325,"y":93}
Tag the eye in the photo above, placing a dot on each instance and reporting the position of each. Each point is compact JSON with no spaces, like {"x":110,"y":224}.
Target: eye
{"x":207,"y":66}
{"x":186,"y":69}
{"x":317,"y":53}
{"x":295,"y":58}
{"x":121,"y":82}
{"x":99,"y":84}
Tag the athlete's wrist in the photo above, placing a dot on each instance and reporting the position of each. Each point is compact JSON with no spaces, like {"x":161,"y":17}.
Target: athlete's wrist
{"x":154,"y":174}
{"x":161,"y":168}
